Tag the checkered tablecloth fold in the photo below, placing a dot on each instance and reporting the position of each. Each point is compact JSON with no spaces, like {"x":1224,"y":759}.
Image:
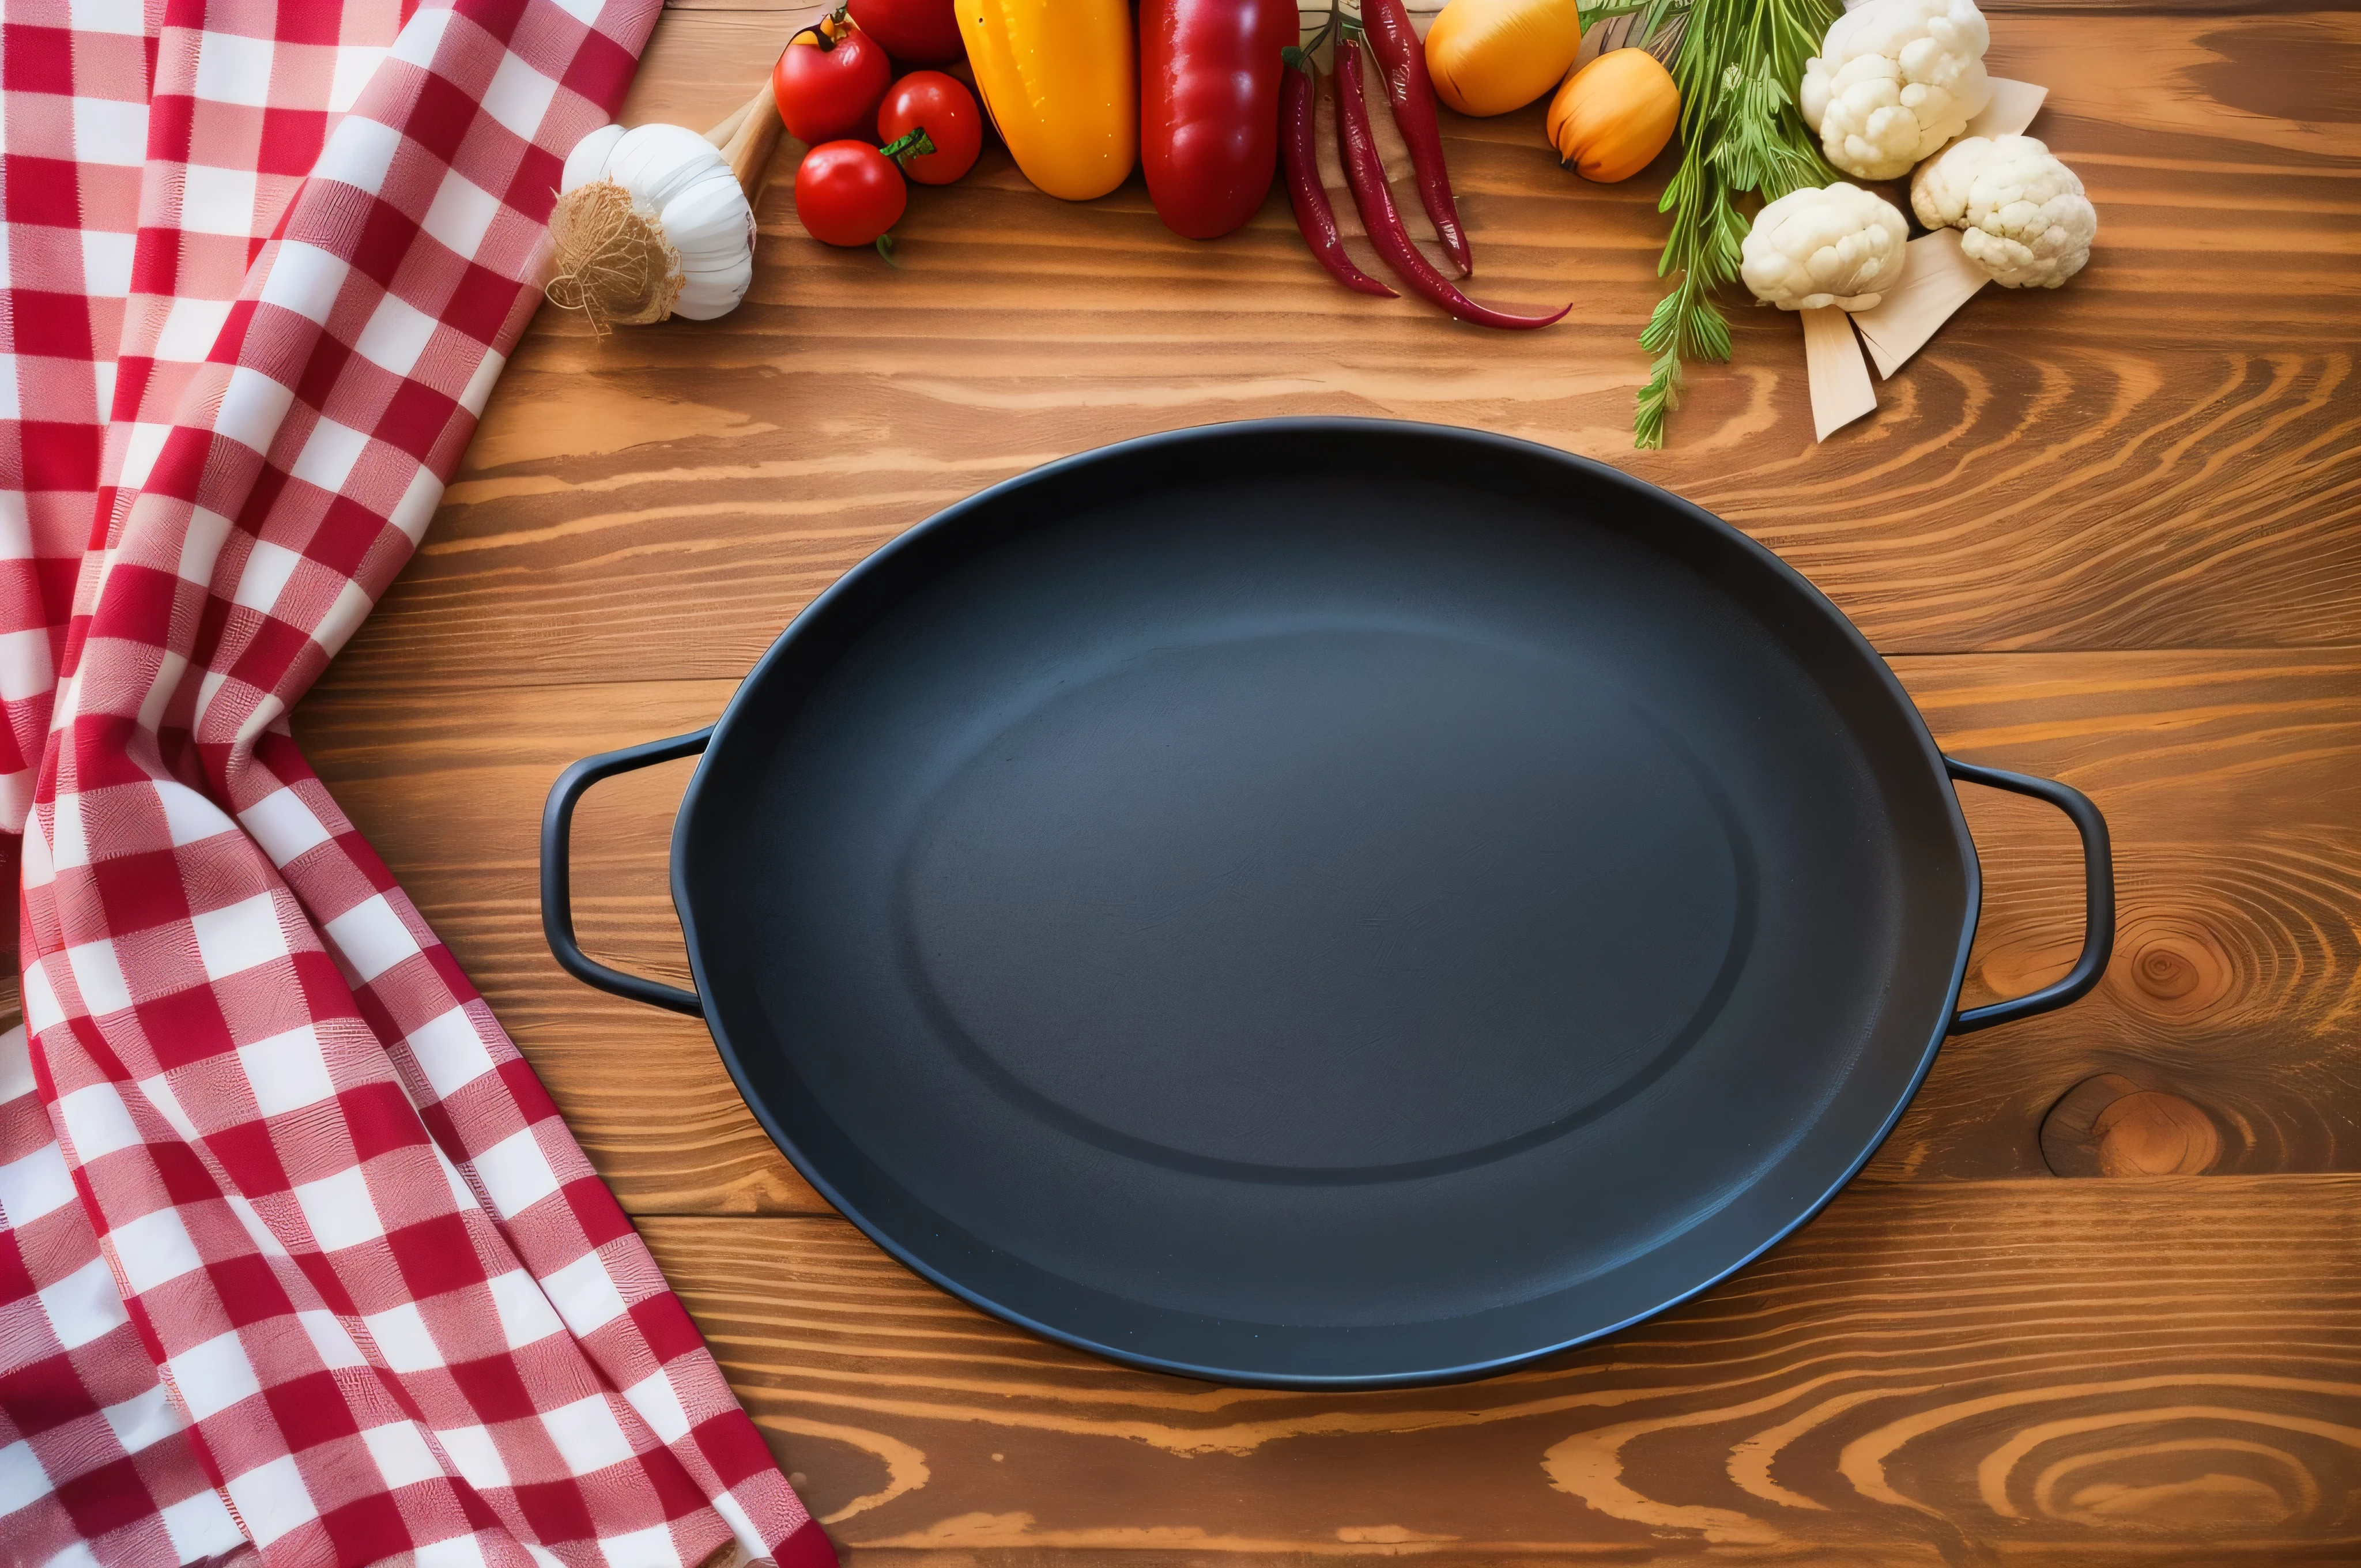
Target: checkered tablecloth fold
{"x":296,"y":1257}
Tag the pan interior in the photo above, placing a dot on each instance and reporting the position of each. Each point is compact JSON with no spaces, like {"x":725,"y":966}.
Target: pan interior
{"x":1359,"y":924}
{"x":1323,"y":903}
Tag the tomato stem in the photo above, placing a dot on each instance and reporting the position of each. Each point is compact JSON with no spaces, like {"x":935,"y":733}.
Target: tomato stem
{"x":913,"y":145}
{"x":885,"y":250}
{"x":819,"y":30}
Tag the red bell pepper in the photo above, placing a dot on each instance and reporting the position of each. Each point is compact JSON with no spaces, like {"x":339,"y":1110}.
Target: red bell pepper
{"x":1209,"y":79}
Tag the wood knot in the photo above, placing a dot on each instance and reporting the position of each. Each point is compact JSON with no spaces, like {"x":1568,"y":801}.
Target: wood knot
{"x":2155,"y":1134}
{"x":2173,"y":970}
{"x":2213,"y":1481}
{"x":2109,"y":1125}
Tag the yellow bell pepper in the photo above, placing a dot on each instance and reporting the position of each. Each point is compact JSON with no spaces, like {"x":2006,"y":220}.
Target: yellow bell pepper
{"x":1060,"y":79}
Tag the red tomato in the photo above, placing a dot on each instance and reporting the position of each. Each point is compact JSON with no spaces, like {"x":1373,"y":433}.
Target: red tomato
{"x":937,"y":105}
{"x":923,"y":32}
{"x":848,"y":192}
{"x":1209,"y":108}
{"x":827,"y":86}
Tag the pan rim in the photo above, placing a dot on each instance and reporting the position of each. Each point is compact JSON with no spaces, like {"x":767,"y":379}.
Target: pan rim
{"x":824,"y":605}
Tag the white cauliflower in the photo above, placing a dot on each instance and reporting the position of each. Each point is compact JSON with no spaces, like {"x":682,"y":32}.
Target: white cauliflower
{"x":1894,"y":81}
{"x":2026,"y":220}
{"x":1841,"y":246}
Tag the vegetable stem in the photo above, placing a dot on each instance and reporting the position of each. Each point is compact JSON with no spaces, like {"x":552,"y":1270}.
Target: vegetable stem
{"x":1742,"y":136}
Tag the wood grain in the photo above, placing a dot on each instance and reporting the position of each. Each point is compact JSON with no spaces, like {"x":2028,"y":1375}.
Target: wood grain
{"x":2162,"y":454}
{"x":2110,"y":533}
{"x":2045,"y":1372}
{"x":2230,"y":785}
{"x":2109,"y":1125}
{"x":642,"y":1089}
{"x":2232,"y":781}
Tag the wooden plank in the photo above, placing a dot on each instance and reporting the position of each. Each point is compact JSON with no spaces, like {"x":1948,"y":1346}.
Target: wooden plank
{"x":2051,"y":1372}
{"x":2232,"y":781}
{"x":2231,"y":786}
{"x":2162,"y":452}
{"x":1945,"y":1368}
{"x":449,"y":784}
{"x":699,"y":66}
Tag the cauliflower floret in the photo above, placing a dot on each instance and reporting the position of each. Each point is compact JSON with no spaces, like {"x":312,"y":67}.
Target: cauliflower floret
{"x":1894,"y":81}
{"x":1841,"y":246}
{"x":2026,"y":220}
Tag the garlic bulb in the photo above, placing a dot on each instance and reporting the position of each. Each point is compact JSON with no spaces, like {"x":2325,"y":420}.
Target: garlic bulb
{"x":651,"y":223}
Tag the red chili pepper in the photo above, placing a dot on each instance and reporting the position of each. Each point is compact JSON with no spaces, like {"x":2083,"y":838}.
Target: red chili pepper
{"x":1367,"y":176}
{"x":1401,"y":57}
{"x":1314,"y":216}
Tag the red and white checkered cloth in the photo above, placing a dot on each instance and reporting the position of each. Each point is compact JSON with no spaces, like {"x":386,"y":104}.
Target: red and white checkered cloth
{"x":296,"y":1257}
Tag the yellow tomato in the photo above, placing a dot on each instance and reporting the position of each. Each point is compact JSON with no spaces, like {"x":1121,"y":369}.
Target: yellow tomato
{"x":1488,"y":57}
{"x":1061,"y":80}
{"x":1613,"y":116}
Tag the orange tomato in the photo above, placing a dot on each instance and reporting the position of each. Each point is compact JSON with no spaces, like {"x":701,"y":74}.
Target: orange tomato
{"x":1488,"y":57}
{"x":1613,"y":116}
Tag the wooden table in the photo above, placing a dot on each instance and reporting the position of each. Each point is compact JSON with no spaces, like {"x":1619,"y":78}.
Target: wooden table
{"x":2110,"y":533}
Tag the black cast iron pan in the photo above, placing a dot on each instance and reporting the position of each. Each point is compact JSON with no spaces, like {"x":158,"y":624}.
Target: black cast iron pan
{"x":1324,"y":903}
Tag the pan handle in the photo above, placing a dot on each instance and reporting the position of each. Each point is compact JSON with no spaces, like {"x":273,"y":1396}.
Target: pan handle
{"x":2099,"y":894}
{"x":557,"y":874}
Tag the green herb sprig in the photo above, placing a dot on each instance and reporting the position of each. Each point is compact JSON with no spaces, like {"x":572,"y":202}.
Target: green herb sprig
{"x":1740,"y":134}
